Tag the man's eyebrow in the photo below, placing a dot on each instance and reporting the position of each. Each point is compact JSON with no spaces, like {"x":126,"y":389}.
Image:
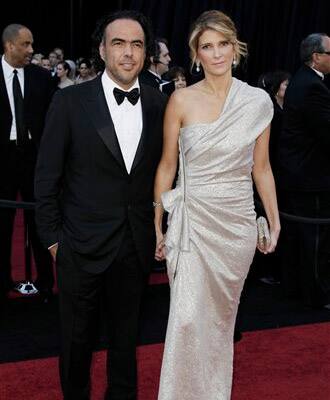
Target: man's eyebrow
{"x":126,"y":41}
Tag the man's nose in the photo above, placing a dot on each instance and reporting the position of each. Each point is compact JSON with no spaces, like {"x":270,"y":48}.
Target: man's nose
{"x":128,"y":50}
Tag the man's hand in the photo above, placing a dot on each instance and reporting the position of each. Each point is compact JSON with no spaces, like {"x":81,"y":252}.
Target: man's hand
{"x":53,"y":251}
{"x":160,"y":246}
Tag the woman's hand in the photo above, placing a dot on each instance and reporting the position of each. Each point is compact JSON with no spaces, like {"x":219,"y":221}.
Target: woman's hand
{"x":271,"y":245}
{"x":160,"y":246}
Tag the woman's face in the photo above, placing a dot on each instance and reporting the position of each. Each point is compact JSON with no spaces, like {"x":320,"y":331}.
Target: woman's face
{"x":60,"y":71}
{"x":215,"y":52}
{"x":281,"y":91}
{"x":83,"y":70}
{"x":180,"y":82}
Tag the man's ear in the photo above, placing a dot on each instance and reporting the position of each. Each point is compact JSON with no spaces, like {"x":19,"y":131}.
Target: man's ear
{"x":102,"y":50}
{"x":8,"y":45}
{"x":315,"y":59}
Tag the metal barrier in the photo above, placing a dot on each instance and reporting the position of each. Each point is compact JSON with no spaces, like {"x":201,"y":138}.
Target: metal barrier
{"x":28,"y":288}
{"x":296,"y":218}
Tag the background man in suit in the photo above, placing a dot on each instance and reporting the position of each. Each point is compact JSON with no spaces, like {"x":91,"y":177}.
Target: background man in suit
{"x":53,"y":62}
{"x":157,"y":64}
{"x":94,"y":187}
{"x":25,"y":93}
{"x":305,"y":173}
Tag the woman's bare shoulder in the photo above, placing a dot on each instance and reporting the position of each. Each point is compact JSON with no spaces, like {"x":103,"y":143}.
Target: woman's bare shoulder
{"x":181,"y":97}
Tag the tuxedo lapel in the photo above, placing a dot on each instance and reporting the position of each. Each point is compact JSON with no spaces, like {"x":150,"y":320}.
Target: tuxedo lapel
{"x":96,"y":107}
{"x":145,"y":129}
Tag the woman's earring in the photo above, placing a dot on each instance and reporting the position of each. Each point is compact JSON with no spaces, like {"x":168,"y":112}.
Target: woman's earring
{"x":198,"y":68}
{"x":234,"y":62}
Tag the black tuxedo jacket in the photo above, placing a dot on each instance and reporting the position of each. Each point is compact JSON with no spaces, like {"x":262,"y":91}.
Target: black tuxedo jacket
{"x":38,"y":90}
{"x":148,"y":78}
{"x":305,"y":139}
{"x":84,"y":194}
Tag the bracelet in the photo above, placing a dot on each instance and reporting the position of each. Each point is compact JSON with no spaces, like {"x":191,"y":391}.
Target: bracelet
{"x":157,"y":204}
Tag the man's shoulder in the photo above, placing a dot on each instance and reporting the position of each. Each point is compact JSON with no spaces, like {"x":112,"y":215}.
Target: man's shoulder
{"x":148,"y":78}
{"x":304,"y":82}
{"x":83,"y":89}
{"x":37,"y":71}
{"x":304,"y":76}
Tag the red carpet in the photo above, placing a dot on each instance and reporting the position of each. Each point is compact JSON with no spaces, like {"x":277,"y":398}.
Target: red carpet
{"x":282,"y":364}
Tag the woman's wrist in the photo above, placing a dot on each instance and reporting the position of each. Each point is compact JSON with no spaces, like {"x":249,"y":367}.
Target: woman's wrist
{"x":158,"y":226}
{"x":157,"y":204}
{"x":275,"y":227}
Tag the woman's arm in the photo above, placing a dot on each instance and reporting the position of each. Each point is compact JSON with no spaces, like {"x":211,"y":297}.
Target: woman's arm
{"x":264,"y":181}
{"x":167,"y":166}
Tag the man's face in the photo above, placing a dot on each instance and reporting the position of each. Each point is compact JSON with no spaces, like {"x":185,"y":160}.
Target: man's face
{"x":45,"y":63}
{"x":323,"y":59}
{"x":59,"y":54}
{"x":123,"y":51}
{"x":53,"y":59}
{"x":164,"y":58}
{"x":19,"y":51}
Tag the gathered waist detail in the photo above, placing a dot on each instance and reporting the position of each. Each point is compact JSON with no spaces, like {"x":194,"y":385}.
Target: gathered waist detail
{"x":177,"y":235}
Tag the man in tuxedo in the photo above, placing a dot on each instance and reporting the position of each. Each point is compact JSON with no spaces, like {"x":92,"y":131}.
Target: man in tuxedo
{"x":157,"y":64}
{"x":94,"y":189}
{"x":25,"y":93}
{"x":53,"y":60}
{"x":305,"y":174}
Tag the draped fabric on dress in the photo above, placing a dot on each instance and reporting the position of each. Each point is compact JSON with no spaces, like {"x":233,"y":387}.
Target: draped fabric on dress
{"x":210,"y":243}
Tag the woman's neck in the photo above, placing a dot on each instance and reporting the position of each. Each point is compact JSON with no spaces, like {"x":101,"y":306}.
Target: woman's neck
{"x":279,"y":101}
{"x":218,"y":85}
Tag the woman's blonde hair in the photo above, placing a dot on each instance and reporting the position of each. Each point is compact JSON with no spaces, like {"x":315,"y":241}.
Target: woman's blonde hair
{"x":219,"y":22}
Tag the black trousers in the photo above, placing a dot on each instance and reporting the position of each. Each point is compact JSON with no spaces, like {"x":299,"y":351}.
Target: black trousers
{"x":18,"y":176}
{"x":306,"y":248}
{"x":79,"y":293}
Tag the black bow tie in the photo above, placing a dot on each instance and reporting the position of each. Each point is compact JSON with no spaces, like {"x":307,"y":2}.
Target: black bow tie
{"x":132,"y":96}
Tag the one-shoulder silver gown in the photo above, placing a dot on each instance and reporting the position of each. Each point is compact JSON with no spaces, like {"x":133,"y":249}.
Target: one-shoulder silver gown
{"x":210,"y":244}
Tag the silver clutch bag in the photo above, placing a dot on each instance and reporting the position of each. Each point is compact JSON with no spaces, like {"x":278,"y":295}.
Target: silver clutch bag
{"x":263,"y":233}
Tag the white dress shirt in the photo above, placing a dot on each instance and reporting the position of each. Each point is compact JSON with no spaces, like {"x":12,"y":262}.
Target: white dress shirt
{"x":319,"y":73}
{"x":127,"y":119}
{"x":8,"y":74}
{"x":155,"y":73}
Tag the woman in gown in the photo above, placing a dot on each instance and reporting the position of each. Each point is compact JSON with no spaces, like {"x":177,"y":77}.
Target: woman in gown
{"x":219,"y":127}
